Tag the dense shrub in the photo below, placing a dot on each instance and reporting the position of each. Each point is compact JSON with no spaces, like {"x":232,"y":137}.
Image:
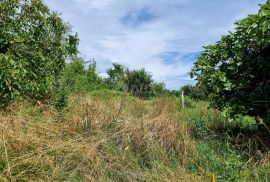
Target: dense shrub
{"x":197,"y":92}
{"x":116,"y":78}
{"x":158,"y":89}
{"x":236,"y":68}
{"x":138,"y":82}
{"x":77,"y":78}
{"x":34,"y":45}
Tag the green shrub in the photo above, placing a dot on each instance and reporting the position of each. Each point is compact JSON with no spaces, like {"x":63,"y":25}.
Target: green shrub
{"x":138,"y":83}
{"x":197,"y":92}
{"x":34,"y":45}
{"x":189,"y":103}
{"x":236,"y":69}
{"x":59,"y":98}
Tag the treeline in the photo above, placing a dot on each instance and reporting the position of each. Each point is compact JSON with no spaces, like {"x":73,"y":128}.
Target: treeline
{"x":80,"y":76}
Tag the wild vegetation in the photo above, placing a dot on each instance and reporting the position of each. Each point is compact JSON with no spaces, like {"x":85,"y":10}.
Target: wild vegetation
{"x":236,"y":68}
{"x":111,"y":136}
{"x":104,"y":136}
{"x":34,"y":45}
{"x":61,"y":121}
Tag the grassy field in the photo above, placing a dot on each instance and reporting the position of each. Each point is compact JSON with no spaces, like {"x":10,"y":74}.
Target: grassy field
{"x":111,"y":136}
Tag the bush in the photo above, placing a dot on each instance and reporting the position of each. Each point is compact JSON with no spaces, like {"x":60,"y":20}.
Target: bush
{"x":236,"y":68}
{"x":139,"y":82}
{"x":189,"y":103}
{"x":78,"y":79}
{"x":197,"y":92}
{"x":33,"y":47}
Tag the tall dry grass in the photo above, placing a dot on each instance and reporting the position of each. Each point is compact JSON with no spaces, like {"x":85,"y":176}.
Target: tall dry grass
{"x":117,"y":139}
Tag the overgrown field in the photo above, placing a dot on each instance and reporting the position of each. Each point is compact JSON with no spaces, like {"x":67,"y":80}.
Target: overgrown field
{"x":111,"y":136}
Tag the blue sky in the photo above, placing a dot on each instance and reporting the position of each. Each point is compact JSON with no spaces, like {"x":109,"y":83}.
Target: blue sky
{"x":163,"y":36}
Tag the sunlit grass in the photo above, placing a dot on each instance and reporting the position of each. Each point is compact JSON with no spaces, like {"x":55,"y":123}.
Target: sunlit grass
{"x":112,"y":136}
{"x":96,"y":139}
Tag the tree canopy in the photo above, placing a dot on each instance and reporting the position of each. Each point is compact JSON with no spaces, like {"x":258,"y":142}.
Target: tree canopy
{"x":236,"y":69}
{"x":197,"y":92}
{"x":139,"y":82}
{"x":116,"y":73}
{"x":34,"y":44}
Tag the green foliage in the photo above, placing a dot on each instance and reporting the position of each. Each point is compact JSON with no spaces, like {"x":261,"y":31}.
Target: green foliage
{"x":138,"y":83}
{"x":78,"y":79}
{"x":59,"y":98}
{"x":93,"y":79}
{"x":174,"y":93}
{"x":197,"y":92}
{"x":189,"y":102}
{"x":2,"y":165}
{"x":116,"y":73}
{"x":34,"y":45}
{"x":220,"y":159}
{"x":236,"y":69}
{"x":75,"y":79}
{"x":158,"y":89}
{"x":116,"y":78}
{"x":227,"y":150}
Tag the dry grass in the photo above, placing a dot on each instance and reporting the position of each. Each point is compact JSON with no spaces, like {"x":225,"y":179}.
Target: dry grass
{"x":120,"y":139}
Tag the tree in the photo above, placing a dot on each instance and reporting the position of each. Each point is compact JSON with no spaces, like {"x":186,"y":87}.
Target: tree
{"x":74,"y":76}
{"x":197,"y":92}
{"x":34,"y":45}
{"x":158,"y":89}
{"x":236,"y":69}
{"x":138,"y":82}
{"x":116,"y":76}
{"x":116,"y":73}
{"x":77,"y":79}
{"x":93,"y":79}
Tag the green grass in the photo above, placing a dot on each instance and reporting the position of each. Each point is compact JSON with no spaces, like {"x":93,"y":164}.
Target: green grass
{"x":218,"y":154}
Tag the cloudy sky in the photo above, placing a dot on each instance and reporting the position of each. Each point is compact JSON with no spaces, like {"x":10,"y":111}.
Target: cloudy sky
{"x":163,"y":36}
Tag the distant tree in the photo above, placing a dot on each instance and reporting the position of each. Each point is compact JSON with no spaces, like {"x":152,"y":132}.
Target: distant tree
{"x":116,"y":78}
{"x":34,"y":44}
{"x":158,"y":89}
{"x":236,"y":69}
{"x":197,"y":92}
{"x":76,"y":78}
{"x":138,"y":82}
{"x":174,"y":93}
{"x":116,"y":73}
{"x":94,"y":80}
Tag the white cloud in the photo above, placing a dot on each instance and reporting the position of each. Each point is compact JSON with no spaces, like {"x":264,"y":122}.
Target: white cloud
{"x":181,"y":26}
